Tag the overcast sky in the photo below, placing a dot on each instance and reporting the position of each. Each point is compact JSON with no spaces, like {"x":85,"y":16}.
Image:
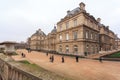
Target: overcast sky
{"x":19,"y":19}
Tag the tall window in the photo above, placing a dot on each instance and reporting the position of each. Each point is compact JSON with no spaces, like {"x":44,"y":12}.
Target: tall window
{"x":75,"y":35}
{"x":96,"y":49}
{"x":75,"y":22}
{"x":91,"y":35}
{"x":75,"y":49}
{"x":87,"y":47}
{"x":67,"y":25}
{"x":60,"y":37}
{"x":67,"y":36}
{"x":96,"y":36}
{"x":60,"y":27}
{"x":67,"y":48}
{"x":86,"y":34}
{"x":60,"y":48}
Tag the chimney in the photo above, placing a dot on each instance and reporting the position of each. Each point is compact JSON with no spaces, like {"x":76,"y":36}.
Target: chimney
{"x":39,"y":29}
{"x":98,"y":20}
{"x":107,"y":27}
{"x":68,"y":12}
{"x":54,"y":27}
{"x":82,"y":6}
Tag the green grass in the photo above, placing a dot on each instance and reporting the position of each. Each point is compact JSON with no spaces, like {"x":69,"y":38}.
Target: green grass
{"x":25,"y":62}
{"x":14,"y":53}
{"x":115,"y":55}
{"x":11,"y":54}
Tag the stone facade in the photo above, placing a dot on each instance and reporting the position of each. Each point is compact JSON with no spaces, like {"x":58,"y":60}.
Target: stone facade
{"x":42,"y":42}
{"x":118,"y":43}
{"x":36,"y":41}
{"x":78,"y":33}
{"x":107,"y":37}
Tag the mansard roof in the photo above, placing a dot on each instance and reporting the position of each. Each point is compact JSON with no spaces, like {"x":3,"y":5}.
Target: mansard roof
{"x":54,"y":30}
{"x":74,"y":11}
{"x":39,"y":32}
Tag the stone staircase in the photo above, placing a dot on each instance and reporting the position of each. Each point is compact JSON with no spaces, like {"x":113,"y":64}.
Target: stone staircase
{"x":101,"y":53}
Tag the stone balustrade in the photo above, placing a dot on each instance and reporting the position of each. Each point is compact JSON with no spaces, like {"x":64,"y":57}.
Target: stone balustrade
{"x":8,"y":71}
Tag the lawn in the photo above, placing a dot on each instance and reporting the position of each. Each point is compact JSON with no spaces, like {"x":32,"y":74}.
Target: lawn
{"x":115,"y":55}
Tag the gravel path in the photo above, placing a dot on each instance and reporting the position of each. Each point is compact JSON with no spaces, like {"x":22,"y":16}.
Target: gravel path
{"x":85,"y":69}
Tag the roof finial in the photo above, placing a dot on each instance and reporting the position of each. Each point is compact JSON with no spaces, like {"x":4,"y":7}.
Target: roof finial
{"x":82,"y":6}
{"x":54,"y":26}
{"x":98,"y":20}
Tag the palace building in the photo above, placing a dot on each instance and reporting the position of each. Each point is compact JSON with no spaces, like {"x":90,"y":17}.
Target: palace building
{"x":78,"y":33}
{"x":36,"y":40}
{"x":107,"y":37}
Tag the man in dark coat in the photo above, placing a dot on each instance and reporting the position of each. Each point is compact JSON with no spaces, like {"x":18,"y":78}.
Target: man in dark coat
{"x":100,"y":59}
{"x":62,"y":59}
{"x":47,"y":54}
{"x":77,"y":59}
{"x":52,"y":59}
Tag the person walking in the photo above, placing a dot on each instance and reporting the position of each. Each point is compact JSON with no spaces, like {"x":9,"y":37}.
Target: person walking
{"x":52,"y":60}
{"x":63,"y":59}
{"x":77,"y":59}
{"x":47,"y":54}
{"x":22,"y":54}
{"x":100,"y":59}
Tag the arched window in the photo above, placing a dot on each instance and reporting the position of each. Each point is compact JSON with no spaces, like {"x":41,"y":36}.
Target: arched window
{"x":87,"y":47}
{"x":60,"y":48}
{"x":75,"y":49}
{"x":67,"y":49}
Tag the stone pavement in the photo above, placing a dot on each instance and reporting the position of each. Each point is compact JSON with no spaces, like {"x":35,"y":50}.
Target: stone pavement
{"x":85,"y":69}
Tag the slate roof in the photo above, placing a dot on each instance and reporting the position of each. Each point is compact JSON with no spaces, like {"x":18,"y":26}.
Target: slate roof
{"x":76,"y":10}
{"x":54,"y":30}
{"x":39,"y":32}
